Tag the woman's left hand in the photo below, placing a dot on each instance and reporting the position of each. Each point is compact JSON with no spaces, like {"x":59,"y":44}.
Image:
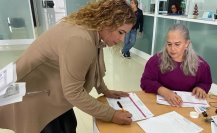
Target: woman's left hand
{"x":115,"y":94}
{"x":199,"y":93}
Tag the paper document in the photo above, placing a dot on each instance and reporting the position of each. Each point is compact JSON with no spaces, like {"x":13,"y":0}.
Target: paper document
{"x":187,"y":98}
{"x":171,"y":122}
{"x":213,"y":127}
{"x":200,"y":109}
{"x":214,"y":118}
{"x":133,"y":105}
{"x":7,"y":77}
{"x":14,"y":93}
{"x":10,"y":92}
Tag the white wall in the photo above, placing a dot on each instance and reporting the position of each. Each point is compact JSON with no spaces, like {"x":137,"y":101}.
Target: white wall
{"x":210,"y":5}
{"x":15,"y":9}
{"x":59,"y":9}
{"x":203,"y":5}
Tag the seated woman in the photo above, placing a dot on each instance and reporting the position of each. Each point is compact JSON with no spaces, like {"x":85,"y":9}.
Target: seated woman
{"x":177,"y":68}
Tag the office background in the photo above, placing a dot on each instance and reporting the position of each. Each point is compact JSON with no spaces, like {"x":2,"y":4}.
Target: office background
{"x":16,"y":36}
{"x":17,"y":23}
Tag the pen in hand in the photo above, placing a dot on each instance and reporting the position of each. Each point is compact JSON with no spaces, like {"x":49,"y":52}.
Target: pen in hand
{"x":119,"y":104}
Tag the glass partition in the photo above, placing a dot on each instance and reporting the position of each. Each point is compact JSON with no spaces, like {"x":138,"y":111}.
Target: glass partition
{"x":74,"y":5}
{"x":16,"y":23}
{"x":144,"y":43}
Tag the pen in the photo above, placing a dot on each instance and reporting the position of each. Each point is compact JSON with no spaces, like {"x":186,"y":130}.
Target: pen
{"x":119,"y":104}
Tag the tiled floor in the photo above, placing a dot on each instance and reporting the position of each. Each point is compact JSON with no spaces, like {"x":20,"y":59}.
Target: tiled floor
{"x":122,"y":74}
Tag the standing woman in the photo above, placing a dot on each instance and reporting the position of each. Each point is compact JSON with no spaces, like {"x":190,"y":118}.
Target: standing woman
{"x":177,"y":68}
{"x":130,"y":38}
{"x":67,"y":61}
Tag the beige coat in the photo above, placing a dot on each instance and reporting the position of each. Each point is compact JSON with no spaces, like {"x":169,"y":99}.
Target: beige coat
{"x":67,"y":60}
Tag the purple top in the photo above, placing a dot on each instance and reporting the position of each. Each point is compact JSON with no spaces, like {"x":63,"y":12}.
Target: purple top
{"x":152,"y":77}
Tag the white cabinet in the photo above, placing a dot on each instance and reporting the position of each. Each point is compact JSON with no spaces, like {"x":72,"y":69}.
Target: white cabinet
{"x":49,"y":17}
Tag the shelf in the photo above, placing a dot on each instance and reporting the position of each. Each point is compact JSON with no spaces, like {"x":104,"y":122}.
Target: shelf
{"x":15,"y":42}
{"x":184,"y":18}
{"x":148,"y":14}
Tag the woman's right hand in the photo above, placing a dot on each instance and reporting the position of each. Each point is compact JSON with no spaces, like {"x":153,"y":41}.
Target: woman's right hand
{"x":171,"y":97}
{"x":122,"y":117}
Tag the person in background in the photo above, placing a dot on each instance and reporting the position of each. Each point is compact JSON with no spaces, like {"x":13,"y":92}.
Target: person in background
{"x":67,"y":61}
{"x":130,"y":38}
{"x":177,"y":68}
{"x":174,"y":9}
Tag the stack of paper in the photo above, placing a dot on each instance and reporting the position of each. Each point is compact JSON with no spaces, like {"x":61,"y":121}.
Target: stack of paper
{"x":7,"y":77}
{"x":188,"y":100}
{"x":214,"y":124}
{"x":10,"y":92}
{"x":213,"y":127}
{"x":171,"y":122}
{"x":132,"y":104}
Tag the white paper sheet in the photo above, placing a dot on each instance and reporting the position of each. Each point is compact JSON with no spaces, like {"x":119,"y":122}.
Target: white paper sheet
{"x":171,"y":122}
{"x":187,"y":98}
{"x":14,"y":93}
{"x":214,"y":119}
{"x":7,"y":77}
{"x":133,"y":105}
{"x":213,"y":127}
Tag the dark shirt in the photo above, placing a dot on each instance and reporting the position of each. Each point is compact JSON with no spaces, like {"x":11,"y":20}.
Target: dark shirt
{"x":139,"y":20}
{"x":152,"y":77}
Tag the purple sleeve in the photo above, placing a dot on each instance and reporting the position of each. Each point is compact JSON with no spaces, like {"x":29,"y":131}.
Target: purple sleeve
{"x":204,"y":76}
{"x":149,"y":80}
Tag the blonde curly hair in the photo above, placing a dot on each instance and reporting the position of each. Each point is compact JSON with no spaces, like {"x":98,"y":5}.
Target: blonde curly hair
{"x":104,"y":13}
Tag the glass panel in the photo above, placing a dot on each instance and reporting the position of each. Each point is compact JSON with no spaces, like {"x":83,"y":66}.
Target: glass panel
{"x":15,"y":20}
{"x":144,"y":5}
{"x":161,"y":29}
{"x":74,"y":5}
{"x":145,"y":43}
{"x":204,"y":41}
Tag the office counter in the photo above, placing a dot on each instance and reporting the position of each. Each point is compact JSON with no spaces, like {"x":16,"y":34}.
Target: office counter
{"x":150,"y":101}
